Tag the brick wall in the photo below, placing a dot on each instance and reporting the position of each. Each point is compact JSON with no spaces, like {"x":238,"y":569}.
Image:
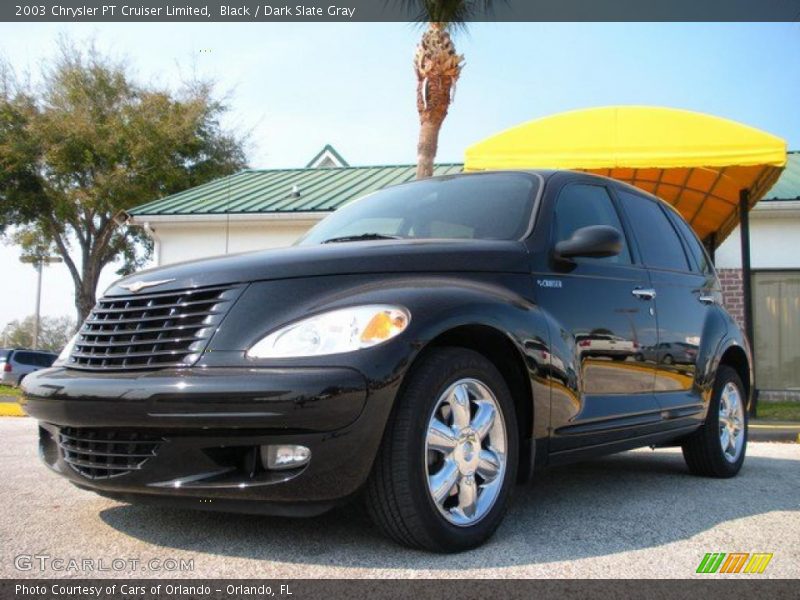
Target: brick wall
{"x":732,"y":294}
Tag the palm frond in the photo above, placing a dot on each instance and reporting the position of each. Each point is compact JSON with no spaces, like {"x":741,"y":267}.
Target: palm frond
{"x":455,"y":14}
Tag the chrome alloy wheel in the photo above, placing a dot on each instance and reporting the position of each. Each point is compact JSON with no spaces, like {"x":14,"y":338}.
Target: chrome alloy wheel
{"x":465,"y":450}
{"x":731,"y":422}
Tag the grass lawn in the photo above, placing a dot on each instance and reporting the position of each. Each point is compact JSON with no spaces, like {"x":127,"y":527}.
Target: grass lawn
{"x":6,"y":390}
{"x":779,"y":411}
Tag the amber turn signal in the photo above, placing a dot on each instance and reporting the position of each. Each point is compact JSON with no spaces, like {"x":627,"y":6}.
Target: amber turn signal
{"x":384,"y":325}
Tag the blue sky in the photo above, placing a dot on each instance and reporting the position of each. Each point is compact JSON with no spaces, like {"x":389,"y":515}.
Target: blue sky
{"x":299,"y":86}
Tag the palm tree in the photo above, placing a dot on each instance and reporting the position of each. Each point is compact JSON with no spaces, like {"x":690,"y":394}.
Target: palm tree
{"x":438,"y":67}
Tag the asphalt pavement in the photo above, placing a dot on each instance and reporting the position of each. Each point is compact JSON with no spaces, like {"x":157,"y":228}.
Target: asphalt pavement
{"x":637,"y":514}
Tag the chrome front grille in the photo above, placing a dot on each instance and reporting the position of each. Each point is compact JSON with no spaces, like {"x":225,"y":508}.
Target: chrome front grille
{"x":151,"y":331}
{"x":106,"y":453}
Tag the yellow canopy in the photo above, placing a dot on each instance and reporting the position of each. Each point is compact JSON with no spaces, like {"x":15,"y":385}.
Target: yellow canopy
{"x":697,"y":162}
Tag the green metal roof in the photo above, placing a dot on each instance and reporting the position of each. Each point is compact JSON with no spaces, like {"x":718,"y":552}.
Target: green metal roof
{"x":284,"y":190}
{"x":323,"y":190}
{"x":788,"y":185}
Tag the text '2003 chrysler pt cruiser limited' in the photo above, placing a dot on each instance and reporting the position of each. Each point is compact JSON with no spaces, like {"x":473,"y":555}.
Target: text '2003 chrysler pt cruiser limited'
{"x":429,"y":346}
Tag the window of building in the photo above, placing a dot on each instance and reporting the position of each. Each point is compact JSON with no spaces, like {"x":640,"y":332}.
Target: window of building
{"x":776,"y":325}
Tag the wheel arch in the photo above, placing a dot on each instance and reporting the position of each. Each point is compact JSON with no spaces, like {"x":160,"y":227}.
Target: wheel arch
{"x":736,"y":357}
{"x":724,"y":343}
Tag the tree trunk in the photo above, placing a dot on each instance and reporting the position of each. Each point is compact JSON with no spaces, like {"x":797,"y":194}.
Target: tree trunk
{"x":86,"y":292}
{"x":84,"y":302}
{"x":437,"y":67}
{"x":426,"y":148}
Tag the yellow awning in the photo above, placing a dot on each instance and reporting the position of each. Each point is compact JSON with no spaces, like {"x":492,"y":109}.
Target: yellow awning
{"x":697,"y":162}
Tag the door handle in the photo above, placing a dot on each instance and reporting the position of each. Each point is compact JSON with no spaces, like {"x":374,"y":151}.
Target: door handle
{"x":707,"y":299}
{"x":644,"y":294}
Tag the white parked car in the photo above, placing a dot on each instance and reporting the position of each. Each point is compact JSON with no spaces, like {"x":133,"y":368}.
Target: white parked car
{"x":15,"y":364}
{"x":605,"y":344}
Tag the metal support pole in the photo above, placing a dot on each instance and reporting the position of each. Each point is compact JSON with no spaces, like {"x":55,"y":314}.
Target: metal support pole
{"x":38,"y":305}
{"x":711,"y":246}
{"x":38,"y":260}
{"x":744,"y":239}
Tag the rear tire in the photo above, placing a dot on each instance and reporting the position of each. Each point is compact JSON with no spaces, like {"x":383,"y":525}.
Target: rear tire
{"x":441,"y":452}
{"x":715,"y":450}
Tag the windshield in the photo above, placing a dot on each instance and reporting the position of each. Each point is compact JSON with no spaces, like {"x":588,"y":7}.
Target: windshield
{"x":4,"y":354}
{"x":491,"y":206}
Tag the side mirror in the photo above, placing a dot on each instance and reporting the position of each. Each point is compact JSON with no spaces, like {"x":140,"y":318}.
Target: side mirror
{"x":595,"y":241}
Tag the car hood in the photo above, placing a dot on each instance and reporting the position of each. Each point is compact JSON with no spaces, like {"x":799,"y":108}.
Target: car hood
{"x":384,"y":256}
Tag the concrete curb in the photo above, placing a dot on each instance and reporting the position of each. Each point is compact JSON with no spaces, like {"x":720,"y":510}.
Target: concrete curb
{"x":774,"y":431}
{"x":9,"y":407}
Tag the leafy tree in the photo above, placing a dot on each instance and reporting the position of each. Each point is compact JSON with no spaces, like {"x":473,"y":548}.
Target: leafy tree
{"x":54,"y":333}
{"x":88,"y":142}
{"x":438,"y":66}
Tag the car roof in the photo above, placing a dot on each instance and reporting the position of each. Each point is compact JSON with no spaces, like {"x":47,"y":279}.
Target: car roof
{"x":547,"y":174}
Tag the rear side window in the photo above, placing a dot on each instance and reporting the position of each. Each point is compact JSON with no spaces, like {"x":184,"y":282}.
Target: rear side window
{"x":582,"y":205}
{"x":24,"y":358}
{"x":658,"y":241}
{"x":695,"y":247}
{"x":43,"y":359}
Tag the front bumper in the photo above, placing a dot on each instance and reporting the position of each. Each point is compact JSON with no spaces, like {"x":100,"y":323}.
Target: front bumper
{"x":210,"y":423}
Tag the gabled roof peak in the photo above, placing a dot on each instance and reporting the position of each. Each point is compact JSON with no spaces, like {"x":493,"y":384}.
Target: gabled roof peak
{"x":326,"y":158}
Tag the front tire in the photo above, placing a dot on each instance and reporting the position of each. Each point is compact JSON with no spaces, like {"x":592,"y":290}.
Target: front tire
{"x":447,"y":464}
{"x":718,"y":448}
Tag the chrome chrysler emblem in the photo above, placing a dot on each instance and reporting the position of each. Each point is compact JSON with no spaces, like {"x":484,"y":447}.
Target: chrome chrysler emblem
{"x":140,"y":285}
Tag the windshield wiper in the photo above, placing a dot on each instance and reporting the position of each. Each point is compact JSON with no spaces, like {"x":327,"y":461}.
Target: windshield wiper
{"x":363,"y":237}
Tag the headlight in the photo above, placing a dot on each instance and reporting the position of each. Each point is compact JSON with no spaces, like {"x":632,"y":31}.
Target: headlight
{"x":64,"y":356}
{"x":334,"y":332}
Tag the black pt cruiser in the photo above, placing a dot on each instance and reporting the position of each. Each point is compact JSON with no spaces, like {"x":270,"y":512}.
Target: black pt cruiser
{"x":427,"y":347}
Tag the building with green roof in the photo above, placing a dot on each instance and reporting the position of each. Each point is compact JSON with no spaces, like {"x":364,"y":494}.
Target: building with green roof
{"x":267,"y":208}
{"x":260,"y":208}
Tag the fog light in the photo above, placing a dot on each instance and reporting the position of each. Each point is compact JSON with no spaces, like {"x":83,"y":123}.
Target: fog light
{"x":284,"y":456}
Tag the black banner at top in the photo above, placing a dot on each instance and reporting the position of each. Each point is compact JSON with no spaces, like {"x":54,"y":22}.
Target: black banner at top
{"x":392,"y":10}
